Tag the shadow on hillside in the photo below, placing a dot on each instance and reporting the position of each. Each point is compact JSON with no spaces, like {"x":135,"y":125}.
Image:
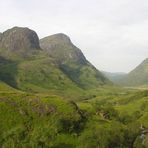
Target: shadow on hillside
{"x":8,"y":71}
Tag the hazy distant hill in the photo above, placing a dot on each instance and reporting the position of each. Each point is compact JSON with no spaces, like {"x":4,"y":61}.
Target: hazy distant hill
{"x":138,"y":76}
{"x":115,"y":77}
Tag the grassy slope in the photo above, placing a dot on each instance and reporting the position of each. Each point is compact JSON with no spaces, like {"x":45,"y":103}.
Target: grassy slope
{"x":38,"y":75}
{"x":42,"y":74}
{"x":33,"y":121}
{"x":105,"y":117}
{"x":84,"y":75}
{"x":63,"y":70}
{"x":72,"y":61}
{"x":137,"y":77}
{"x":49,"y":121}
{"x":124,"y":108}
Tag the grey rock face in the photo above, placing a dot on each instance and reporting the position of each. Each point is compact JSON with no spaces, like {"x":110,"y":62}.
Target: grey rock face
{"x":19,"y":38}
{"x":59,"y":46}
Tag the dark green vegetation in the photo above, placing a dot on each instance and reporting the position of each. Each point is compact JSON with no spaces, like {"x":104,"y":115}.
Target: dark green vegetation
{"x":51,"y":96}
{"x":55,"y":68}
{"x":72,"y":62}
{"x":106,"y":121}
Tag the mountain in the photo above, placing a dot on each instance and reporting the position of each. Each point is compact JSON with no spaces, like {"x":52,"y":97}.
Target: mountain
{"x":52,"y":77}
{"x":138,"y":76}
{"x":72,"y":62}
{"x":60,"y":47}
{"x":57,"y":67}
{"x":114,"y":77}
{"x":17,"y":45}
{"x":18,"y":42}
{"x":25,"y":66}
{"x":0,"y":36}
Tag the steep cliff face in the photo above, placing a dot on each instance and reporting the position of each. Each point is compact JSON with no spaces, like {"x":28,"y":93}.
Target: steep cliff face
{"x":18,"y":41}
{"x":60,"y":47}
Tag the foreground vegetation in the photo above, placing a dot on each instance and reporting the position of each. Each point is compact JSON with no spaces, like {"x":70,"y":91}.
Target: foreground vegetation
{"x":57,"y":74}
{"x":51,"y":96}
{"x":111,"y":118}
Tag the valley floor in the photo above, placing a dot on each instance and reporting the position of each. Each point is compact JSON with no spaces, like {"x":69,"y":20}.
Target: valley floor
{"x":106,"y":118}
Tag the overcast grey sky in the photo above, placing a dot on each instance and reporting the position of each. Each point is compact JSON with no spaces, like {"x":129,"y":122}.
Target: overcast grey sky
{"x":113,"y":34}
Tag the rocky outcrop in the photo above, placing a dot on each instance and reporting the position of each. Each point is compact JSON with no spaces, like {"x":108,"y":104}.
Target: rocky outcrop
{"x":60,"y":47}
{"x":19,"y":38}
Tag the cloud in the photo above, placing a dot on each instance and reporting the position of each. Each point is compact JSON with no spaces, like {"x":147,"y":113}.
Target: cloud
{"x":112,"y":33}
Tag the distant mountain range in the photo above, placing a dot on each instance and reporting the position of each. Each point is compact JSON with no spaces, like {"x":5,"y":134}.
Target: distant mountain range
{"x":137,"y":77}
{"x":114,"y":77}
{"x":52,"y":64}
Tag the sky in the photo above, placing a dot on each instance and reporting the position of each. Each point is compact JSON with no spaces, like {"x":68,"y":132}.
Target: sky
{"x":112,"y":34}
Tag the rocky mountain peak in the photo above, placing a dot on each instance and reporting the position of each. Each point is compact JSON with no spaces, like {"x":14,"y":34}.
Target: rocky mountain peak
{"x":18,"y":38}
{"x":60,"y":38}
{"x":60,"y":47}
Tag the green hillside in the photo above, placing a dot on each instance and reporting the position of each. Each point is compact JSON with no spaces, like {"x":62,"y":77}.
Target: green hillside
{"x":106,"y":121}
{"x":72,"y":62}
{"x":26,"y":66}
{"x":137,"y":77}
{"x":52,"y":97}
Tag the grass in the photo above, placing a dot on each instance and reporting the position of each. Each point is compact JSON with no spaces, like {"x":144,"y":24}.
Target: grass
{"x":56,"y":98}
{"x":104,"y":118}
{"x":38,"y":114}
